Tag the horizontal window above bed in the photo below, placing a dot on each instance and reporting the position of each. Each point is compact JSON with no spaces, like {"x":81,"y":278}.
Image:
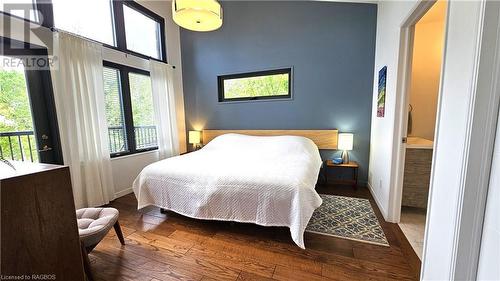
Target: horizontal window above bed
{"x":259,"y":85}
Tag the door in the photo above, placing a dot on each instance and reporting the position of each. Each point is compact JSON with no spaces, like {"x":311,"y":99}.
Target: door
{"x":28,"y":123}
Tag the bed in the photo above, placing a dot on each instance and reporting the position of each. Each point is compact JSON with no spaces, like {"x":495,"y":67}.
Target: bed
{"x":266,"y":180}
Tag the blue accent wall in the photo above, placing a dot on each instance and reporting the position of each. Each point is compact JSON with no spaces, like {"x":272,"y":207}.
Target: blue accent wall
{"x":331,"y":47}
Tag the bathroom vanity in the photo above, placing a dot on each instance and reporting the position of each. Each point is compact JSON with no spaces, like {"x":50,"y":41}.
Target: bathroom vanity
{"x":418,"y":163}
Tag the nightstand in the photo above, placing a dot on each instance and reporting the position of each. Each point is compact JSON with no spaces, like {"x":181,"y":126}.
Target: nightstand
{"x":351,"y":166}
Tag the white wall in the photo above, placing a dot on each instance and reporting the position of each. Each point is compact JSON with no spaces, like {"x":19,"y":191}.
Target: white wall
{"x":390,"y":16}
{"x":425,"y":76}
{"x":126,"y":169}
{"x":489,"y":268}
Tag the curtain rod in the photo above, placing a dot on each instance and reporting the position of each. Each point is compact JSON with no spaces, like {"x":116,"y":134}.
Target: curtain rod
{"x":53,"y":29}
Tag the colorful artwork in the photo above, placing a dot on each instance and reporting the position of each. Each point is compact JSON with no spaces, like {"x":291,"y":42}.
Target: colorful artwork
{"x":382,"y":76}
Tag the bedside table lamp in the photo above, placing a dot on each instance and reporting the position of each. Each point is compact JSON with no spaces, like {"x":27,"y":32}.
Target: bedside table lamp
{"x":345,"y":144}
{"x":195,"y":139}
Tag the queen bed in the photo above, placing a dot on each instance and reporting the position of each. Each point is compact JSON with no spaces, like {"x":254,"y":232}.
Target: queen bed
{"x":266,"y":180}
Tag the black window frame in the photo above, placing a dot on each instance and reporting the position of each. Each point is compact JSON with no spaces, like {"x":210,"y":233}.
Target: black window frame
{"x":120,"y":17}
{"x":128,"y":118}
{"x":222,"y":78}
{"x":45,"y":7}
{"x":119,"y":27}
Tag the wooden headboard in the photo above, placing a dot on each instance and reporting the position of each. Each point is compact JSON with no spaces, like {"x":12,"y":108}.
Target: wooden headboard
{"x":324,"y":139}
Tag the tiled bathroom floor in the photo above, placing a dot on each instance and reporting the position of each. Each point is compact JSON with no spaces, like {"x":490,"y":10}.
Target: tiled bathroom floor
{"x":412,"y":224}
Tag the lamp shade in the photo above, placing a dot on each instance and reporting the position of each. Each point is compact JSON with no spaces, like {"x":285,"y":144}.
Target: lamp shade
{"x":197,"y":15}
{"x":194,"y":137}
{"x":345,"y":141}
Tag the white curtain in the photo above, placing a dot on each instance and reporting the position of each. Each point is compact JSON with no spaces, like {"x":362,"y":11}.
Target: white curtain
{"x":79,"y":96}
{"x":164,"y":107}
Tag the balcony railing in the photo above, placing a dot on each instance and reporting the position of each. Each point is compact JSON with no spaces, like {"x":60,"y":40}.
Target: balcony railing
{"x":117,"y":139}
{"x":145,"y":137}
{"x":21,"y":146}
{"x":18,"y":146}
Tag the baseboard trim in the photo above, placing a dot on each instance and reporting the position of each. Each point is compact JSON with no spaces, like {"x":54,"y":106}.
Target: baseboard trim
{"x":123,"y":192}
{"x":377,"y":201}
{"x":408,"y":251}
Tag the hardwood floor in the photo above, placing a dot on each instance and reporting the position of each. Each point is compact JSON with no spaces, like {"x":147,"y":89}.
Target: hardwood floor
{"x":172,"y":247}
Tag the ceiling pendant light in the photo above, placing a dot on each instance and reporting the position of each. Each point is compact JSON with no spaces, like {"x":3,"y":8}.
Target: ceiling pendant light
{"x":197,"y":15}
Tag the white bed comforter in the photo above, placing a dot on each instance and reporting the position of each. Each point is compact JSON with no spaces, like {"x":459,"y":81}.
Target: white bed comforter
{"x":268,"y":181}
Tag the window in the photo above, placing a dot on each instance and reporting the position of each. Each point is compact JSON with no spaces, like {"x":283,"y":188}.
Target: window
{"x":124,"y":25}
{"x":261,"y":85}
{"x":142,"y":111}
{"x":129,"y":110}
{"x":142,"y":33}
{"x":20,"y":8}
{"x":17,"y":137}
{"x":114,"y":111}
{"x":93,"y":19}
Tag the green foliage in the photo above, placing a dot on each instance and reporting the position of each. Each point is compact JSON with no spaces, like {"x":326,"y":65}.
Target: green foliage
{"x":261,"y":86}
{"x":112,"y":97}
{"x":142,"y":100}
{"x":142,"y":108}
{"x":141,"y":95}
{"x":15,"y":114}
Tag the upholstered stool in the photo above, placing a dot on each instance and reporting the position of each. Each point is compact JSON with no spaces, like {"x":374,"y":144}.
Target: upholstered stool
{"x":93,"y":225}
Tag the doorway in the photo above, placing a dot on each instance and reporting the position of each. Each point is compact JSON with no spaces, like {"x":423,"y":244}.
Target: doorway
{"x":28,"y":123}
{"x":421,"y":101}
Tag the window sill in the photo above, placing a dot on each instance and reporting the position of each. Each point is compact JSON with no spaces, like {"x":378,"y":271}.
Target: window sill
{"x":134,"y":154}
{"x":228,"y":101}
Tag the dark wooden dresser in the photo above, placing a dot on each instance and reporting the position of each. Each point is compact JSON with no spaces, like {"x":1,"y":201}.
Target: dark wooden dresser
{"x":39,"y":234}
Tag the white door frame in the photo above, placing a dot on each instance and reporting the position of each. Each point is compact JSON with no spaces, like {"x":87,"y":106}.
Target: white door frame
{"x":467,"y":114}
{"x":402,"y":101}
{"x":483,"y":117}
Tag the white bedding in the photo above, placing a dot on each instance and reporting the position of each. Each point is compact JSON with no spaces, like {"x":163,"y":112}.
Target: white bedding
{"x":263,"y":180}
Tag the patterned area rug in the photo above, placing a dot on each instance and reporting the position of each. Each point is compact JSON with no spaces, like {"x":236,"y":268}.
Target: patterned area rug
{"x":349,"y":218}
